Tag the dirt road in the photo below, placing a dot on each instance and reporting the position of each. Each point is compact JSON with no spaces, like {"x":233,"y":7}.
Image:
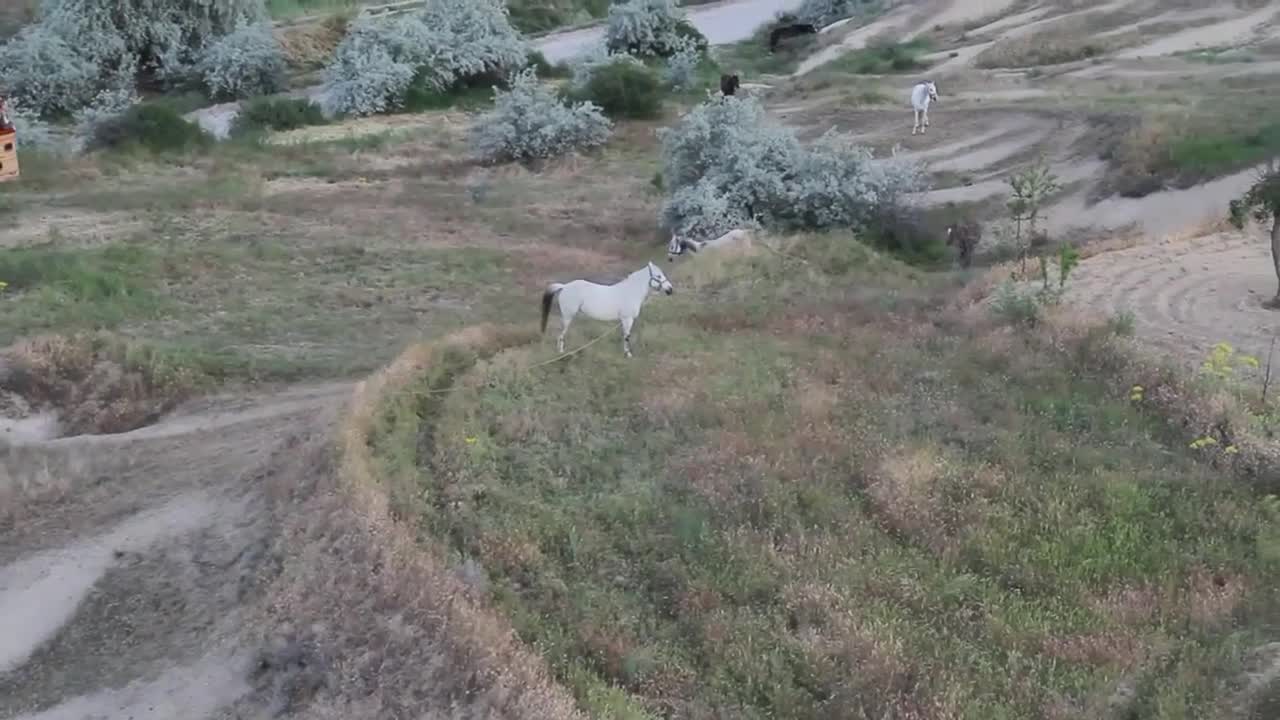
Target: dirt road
{"x":132,"y":563}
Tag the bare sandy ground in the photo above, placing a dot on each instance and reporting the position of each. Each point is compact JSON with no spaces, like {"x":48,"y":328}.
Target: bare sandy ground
{"x":1158,"y":214}
{"x":1228,"y":32}
{"x":1187,"y":295}
{"x":963,"y":12}
{"x":125,"y":592}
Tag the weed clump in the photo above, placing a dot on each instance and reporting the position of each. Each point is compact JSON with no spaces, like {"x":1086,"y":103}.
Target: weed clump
{"x":157,"y":128}
{"x":98,"y":385}
{"x":277,"y":114}
{"x":623,"y":88}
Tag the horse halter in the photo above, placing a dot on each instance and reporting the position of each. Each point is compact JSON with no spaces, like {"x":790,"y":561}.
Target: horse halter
{"x":654,"y":282}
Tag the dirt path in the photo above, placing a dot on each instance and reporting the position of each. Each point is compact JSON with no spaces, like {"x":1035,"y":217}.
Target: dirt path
{"x":129,"y":572}
{"x":1158,"y":214}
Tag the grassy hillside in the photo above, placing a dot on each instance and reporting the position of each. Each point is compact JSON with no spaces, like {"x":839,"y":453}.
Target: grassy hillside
{"x":819,"y":490}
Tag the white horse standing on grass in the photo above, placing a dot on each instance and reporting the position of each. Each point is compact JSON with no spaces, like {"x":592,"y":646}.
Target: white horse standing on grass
{"x":921,"y":95}
{"x":619,"y":302}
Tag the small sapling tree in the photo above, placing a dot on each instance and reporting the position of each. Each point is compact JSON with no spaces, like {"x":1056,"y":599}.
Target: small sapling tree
{"x":1262,"y":203}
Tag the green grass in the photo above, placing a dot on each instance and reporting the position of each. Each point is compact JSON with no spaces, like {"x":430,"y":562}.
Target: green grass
{"x":1210,"y":154}
{"x":52,"y":288}
{"x":231,"y":287}
{"x":180,"y":102}
{"x":537,"y":16}
{"x":751,"y":58}
{"x":884,"y":59}
{"x":311,"y":259}
{"x":277,"y":114}
{"x":845,"y":497}
{"x":421,"y":97}
{"x":1217,"y":56}
{"x":1181,"y":153}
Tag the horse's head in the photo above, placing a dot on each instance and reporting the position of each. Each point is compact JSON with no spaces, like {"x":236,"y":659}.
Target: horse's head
{"x":675,"y":246}
{"x":658,"y":280}
{"x":933,"y":90}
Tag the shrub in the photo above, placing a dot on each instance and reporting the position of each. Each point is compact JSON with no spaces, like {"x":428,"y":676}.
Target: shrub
{"x":32,"y":131}
{"x":1015,"y":306}
{"x":529,"y":122}
{"x":646,"y":28}
{"x":160,"y":38}
{"x":685,"y":31}
{"x":901,"y":230}
{"x":582,"y":65}
{"x":543,"y":67}
{"x":364,"y":78}
{"x":623,"y":88}
{"x":704,"y":210}
{"x":277,"y":114}
{"x":106,"y":106}
{"x":244,"y":63}
{"x":45,"y":73}
{"x":155,"y":127}
{"x":446,"y":44}
{"x":723,"y":165}
{"x":82,"y":46}
{"x":681,"y":69}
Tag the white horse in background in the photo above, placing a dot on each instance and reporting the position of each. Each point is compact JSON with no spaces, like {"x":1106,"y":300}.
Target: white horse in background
{"x":677,"y":245}
{"x":618,"y":302}
{"x":921,"y":95}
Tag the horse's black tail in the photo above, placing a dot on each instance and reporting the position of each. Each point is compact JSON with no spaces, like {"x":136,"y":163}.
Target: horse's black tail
{"x":547,"y":297}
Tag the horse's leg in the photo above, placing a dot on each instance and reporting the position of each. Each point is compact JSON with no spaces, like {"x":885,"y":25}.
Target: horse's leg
{"x":626,"y":335}
{"x":565,"y":319}
{"x":915,"y":122}
{"x":926,"y":117}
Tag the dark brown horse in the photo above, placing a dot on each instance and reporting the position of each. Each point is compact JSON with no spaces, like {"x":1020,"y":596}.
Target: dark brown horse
{"x":964,"y":235}
{"x":783,"y":32}
{"x":729,"y":84}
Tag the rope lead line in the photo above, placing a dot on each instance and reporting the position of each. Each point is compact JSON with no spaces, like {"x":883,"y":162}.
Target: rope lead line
{"x":575,"y":351}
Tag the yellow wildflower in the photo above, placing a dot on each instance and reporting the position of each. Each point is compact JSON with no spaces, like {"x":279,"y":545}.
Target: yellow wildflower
{"x":1231,"y":450}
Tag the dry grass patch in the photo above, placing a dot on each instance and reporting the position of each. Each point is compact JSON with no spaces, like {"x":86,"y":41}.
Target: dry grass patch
{"x":389,"y":628}
{"x":310,"y":46}
{"x":1068,"y":40}
{"x":97,"y":385}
